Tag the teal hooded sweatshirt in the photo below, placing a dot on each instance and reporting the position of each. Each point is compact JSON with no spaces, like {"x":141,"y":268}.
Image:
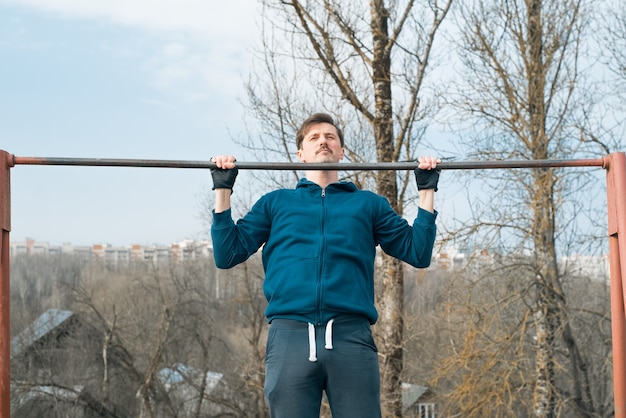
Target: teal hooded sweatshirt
{"x":319,"y":247}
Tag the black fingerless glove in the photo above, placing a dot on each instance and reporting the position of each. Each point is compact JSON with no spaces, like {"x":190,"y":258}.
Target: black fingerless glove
{"x":427,"y":179}
{"x":224,"y":178}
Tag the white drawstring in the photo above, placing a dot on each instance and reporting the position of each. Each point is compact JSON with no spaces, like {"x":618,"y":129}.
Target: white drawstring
{"x":312,"y":349}
{"x":329,"y":335}
{"x":328,"y":340}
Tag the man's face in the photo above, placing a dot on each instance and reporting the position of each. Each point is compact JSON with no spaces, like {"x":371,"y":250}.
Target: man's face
{"x":321,"y":144}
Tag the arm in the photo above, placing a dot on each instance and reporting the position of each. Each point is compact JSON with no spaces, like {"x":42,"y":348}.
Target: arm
{"x":234,"y":242}
{"x":412,"y":244}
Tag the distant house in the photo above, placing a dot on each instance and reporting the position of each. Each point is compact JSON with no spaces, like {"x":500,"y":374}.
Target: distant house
{"x":39,"y":331}
{"x":185,"y":378}
{"x":189,"y":389}
{"x":57,"y":369}
{"x":417,"y":401}
{"x":39,"y":352}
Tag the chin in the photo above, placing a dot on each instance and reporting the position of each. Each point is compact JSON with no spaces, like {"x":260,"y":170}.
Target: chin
{"x":325,"y":158}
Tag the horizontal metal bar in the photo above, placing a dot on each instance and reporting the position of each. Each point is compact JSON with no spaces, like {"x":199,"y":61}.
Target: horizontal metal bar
{"x":444,"y":165}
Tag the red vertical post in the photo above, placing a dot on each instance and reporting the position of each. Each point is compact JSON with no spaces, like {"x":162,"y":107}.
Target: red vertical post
{"x":616,"y":202}
{"x":6,"y":162}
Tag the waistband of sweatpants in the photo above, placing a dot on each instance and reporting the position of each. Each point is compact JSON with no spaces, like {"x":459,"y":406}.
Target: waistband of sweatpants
{"x":340,"y":320}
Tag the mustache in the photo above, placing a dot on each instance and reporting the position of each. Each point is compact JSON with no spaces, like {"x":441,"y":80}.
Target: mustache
{"x":323,"y":148}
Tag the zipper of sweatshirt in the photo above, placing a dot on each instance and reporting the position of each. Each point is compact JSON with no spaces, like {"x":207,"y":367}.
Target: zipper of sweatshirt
{"x":322,"y":258}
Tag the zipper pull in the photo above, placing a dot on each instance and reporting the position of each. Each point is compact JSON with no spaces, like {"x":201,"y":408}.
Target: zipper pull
{"x":323,"y":192}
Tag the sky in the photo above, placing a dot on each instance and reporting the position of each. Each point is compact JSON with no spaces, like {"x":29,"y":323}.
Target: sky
{"x":139,"y":79}
{"x":136,"y":79}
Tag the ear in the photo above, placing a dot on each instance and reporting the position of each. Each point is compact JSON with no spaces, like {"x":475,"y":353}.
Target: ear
{"x":299,"y":155}
{"x":343,"y":151}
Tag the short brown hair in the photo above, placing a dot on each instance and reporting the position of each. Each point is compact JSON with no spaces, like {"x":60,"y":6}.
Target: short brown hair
{"x":314,"y":119}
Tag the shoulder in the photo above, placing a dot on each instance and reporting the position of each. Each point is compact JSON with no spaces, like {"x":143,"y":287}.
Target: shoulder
{"x":371,"y":196}
{"x":278,"y":195}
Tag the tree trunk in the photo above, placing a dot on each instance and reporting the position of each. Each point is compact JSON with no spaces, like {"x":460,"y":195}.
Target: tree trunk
{"x":547,"y":311}
{"x":390,"y":335}
{"x":392,"y":294}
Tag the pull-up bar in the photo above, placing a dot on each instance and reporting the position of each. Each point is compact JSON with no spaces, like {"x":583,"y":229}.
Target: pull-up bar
{"x":614,"y":164}
{"x":409,"y":165}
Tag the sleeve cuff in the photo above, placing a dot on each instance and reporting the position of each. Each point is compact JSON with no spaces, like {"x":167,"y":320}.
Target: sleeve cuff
{"x":426,"y":217}
{"x":222,"y":218}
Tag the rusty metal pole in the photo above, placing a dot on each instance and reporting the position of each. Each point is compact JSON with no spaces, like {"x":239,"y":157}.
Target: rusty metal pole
{"x":407,"y":165}
{"x":616,"y":206}
{"x":5,"y":291}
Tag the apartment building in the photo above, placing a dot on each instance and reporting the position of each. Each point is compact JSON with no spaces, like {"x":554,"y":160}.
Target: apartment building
{"x":114,"y":256}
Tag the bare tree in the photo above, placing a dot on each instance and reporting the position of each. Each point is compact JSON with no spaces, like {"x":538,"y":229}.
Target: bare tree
{"x":474,"y":339}
{"x":36,"y":280}
{"x":368,"y":65}
{"x":139,"y":326}
{"x":526,"y":93}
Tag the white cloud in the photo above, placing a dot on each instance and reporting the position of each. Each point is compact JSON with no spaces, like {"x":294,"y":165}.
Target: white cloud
{"x":201,"y":45}
{"x":232,"y":21}
{"x":197,"y":71}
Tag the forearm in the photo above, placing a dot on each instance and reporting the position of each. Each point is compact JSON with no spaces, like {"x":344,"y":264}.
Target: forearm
{"x":222,"y":200}
{"x":427,"y":200}
{"x":427,"y":177}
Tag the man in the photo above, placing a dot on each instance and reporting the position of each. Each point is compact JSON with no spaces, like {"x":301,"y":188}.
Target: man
{"x":319,"y":244}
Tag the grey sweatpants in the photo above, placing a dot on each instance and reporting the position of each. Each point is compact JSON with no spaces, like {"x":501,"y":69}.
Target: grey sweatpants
{"x":348,"y":372}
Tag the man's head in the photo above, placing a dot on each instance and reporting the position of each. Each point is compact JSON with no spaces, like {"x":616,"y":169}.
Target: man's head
{"x":313,"y":120}
{"x":319,"y":140}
